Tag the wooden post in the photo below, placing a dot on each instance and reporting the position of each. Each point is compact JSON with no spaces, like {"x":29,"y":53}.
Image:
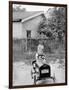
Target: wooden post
{"x":26,"y":44}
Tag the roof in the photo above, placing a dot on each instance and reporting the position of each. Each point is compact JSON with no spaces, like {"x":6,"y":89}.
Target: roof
{"x":25,"y":15}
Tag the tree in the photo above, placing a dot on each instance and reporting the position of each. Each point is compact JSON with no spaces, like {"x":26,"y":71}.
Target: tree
{"x":18,"y":8}
{"x":54,"y":26}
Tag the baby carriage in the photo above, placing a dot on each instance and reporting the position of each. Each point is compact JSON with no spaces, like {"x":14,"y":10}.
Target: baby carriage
{"x":42,"y":72}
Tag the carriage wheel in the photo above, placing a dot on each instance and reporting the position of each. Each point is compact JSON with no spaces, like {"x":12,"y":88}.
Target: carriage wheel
{"x":54,"y":78}
{"x":35,"y":79}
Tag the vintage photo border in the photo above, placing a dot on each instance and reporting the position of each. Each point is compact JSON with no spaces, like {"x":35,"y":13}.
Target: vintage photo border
{"x":11,"y":44}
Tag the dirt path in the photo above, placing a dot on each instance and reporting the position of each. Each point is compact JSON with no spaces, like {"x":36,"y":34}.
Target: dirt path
{"x":22,"y":75}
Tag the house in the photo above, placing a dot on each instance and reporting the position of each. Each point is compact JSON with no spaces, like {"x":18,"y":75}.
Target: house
{"x":26,"y":24}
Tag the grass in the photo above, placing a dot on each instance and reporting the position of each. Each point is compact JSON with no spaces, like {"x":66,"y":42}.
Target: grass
{"x":28,"y":57}
{"x":53,"y":50}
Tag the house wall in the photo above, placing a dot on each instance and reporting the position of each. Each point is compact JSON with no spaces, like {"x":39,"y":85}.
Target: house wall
{"x":17,"y":30}
{"x":20,"y":29}
{"x":32,"y":25}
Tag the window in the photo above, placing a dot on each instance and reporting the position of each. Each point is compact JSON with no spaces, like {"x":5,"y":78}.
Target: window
{"x":28,"y":34}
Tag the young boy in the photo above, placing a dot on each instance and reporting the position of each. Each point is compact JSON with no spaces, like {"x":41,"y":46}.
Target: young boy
{"x":40,"y":56}
{"x":40,"y":60}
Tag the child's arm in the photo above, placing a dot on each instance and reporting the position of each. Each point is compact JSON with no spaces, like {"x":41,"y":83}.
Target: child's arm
{"x":36,"y":56}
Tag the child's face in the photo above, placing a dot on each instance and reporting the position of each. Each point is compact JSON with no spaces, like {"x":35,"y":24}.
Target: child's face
{"x":40,"y":49}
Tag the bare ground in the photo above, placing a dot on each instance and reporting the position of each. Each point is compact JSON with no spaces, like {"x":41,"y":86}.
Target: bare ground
{"x":22,"y":73}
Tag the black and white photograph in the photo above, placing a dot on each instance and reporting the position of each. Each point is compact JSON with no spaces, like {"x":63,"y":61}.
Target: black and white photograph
{"x":39,"y":38}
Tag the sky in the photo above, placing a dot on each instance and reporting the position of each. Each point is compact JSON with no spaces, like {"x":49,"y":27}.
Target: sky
{"x":33,"y":8}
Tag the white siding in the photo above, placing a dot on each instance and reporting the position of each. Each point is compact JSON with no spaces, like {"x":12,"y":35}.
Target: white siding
{"x":32,"y":25}
{"x":17,"y":30}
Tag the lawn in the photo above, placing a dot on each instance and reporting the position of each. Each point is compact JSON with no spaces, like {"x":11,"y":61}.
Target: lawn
{"x":29,"y":56}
